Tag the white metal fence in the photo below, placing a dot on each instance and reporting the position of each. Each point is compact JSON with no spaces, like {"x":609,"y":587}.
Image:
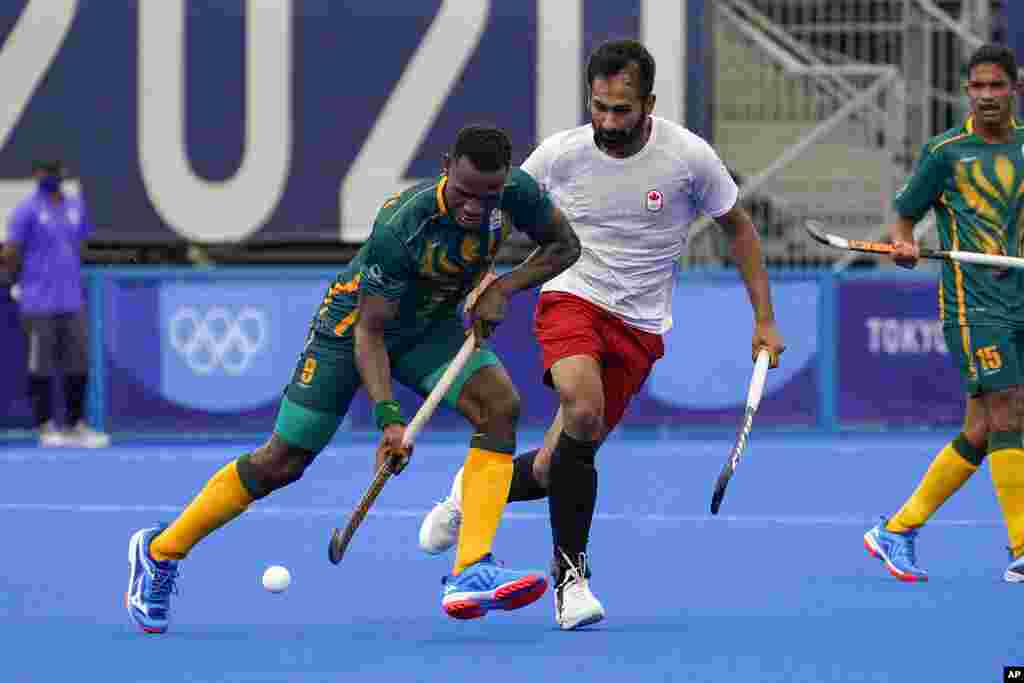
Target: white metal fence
{"x":822,"y":107}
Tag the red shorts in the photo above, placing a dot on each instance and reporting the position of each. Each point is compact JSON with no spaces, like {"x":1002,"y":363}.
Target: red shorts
{"x":567,"y":325}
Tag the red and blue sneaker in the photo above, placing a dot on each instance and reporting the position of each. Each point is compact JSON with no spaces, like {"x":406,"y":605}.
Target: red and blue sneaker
{"x":485,"y":585}
{"x":896,"y":550}
{"x":150,"y":583}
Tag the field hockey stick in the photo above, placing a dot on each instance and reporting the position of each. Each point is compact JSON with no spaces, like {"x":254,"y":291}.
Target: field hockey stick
{"x":816,"y":230}
{"x":753,"y":400}
{"x":395,"y":462}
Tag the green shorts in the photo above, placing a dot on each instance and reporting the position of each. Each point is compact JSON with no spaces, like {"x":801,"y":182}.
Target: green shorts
{"x":990,"y":358}
{"x":326,"y":379}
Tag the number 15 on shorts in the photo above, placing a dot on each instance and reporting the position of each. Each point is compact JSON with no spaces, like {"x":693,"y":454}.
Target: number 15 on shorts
{"x":989,"y":358}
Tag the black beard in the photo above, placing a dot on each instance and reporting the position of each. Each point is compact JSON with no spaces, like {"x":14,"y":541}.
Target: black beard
{"x":617,"y":139}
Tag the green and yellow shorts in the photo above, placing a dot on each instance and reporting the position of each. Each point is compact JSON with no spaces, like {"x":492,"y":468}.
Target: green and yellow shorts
{"x":990,"y":358}
{"x":326,"y":379}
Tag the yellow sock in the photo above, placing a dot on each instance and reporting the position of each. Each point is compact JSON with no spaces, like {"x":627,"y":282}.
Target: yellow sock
{"x":953,"y":466}
{"x":1006,"y":460}
{"x":222,"y":499}
{"x":486,"y":479}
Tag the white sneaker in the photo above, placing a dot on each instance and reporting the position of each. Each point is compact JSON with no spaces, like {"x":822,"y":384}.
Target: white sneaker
{"x":440,"y":528}
{"x":84,"y":436}
{"x":52,"y":437}
{"x":575,"y":605}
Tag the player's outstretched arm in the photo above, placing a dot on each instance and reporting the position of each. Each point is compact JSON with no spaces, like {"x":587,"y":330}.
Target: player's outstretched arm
{"x":558,"y":247}
{"x":746,"y":250}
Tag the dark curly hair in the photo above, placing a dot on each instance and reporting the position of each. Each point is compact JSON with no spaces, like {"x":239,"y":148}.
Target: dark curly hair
{"x":487,"y":147}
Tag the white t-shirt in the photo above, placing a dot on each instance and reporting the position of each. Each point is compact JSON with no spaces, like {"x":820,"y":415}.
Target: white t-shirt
{"x":632,"y":215}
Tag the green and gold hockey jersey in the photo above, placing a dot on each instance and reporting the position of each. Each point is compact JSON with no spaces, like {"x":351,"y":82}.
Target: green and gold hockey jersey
{"x":420,"y":256}
{"x":976,"y":190}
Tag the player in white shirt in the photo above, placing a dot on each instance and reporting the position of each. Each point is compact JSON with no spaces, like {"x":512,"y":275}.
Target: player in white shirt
{"x":630,"y":183}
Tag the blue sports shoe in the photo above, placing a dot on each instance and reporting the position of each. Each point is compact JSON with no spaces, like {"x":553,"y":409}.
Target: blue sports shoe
{"x":1015,"y":572}
{"x":485,"y":585}
{"x":150,"y":583}
{"x":896,"y":550}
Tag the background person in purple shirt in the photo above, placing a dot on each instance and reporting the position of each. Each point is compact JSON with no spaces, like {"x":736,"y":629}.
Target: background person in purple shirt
{"x":42,"y":254}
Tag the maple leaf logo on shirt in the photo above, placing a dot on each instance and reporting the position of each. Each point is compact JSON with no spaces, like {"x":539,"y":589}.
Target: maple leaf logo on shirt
{"x":655,"y":201}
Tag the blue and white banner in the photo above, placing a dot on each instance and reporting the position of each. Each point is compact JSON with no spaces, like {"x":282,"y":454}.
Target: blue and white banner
{"x":187,"y":352}
{"x":190,"y":352}
{"x":707,"y":364}
{"x":231,"y":346}
{"x":893,"y":364}
{"x":285,"y":120}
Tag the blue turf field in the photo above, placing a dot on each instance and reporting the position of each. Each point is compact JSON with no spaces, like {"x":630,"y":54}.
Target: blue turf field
{"x":778,"y":589}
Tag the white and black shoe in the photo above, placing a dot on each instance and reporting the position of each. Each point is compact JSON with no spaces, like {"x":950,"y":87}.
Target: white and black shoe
{"x":575,"y":604}
{"x":50,"y":436}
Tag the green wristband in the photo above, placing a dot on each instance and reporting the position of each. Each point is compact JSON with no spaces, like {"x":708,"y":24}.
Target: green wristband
{"x":387,"y":413}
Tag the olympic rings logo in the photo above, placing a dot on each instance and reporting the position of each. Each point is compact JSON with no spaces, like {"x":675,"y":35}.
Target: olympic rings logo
{"x":218,"y":338}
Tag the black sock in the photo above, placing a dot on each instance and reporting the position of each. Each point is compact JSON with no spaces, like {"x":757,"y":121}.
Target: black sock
{"x":572,"y":494}
{"x":41,"y":396}
{"x":74,"y":397}
{"x":524,"y":484}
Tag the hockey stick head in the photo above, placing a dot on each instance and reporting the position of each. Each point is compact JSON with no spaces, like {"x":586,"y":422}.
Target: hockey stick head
{"x":817,"y":231}
{"x":337,"y":545}
{"x":340,"y":538}
{"x":753,"y":399}
{"x":723,"y":480}
{"x":729,"y":468}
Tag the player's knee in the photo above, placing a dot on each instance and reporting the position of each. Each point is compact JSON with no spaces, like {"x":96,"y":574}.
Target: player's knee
{"x":502,"y":411}
{"x":276,"y":464}
{"x":542,"y":467}
{"x":976,"y":429}
{"x":584,"y":417}
{"x":977,"y":435}
{"x":288,"y":470}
